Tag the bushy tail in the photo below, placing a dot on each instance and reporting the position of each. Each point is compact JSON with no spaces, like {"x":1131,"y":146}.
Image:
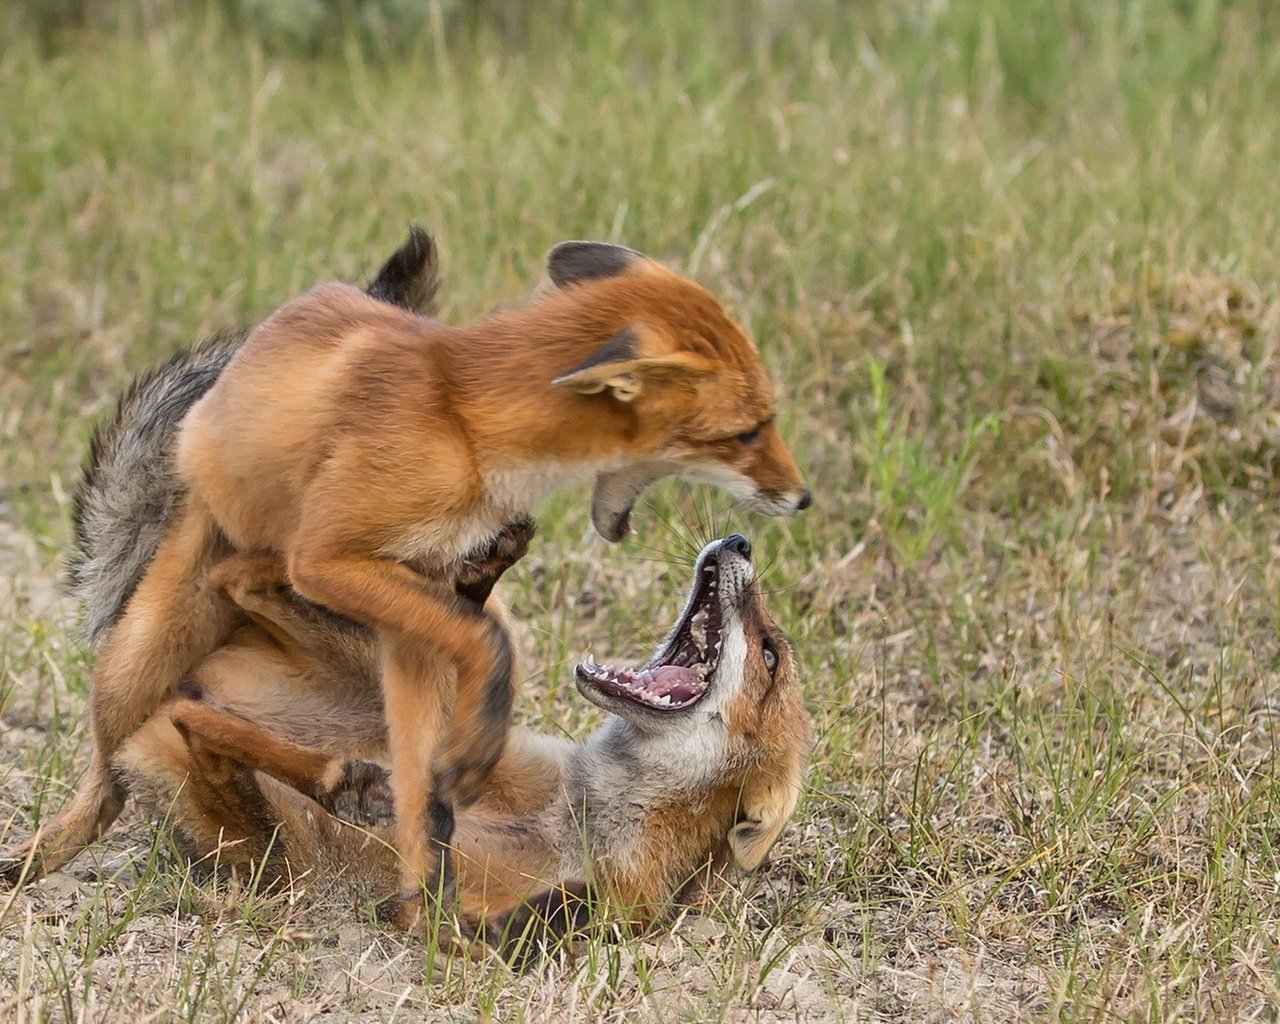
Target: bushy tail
{"x":411,"y":277}
{"x":130,"y":489}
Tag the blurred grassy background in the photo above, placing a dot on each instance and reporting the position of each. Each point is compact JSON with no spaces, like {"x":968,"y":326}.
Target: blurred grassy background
{"x":1014,"y":268}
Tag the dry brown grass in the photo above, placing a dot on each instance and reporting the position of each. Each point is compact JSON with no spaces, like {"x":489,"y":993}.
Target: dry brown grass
{"x":1016,"y":267}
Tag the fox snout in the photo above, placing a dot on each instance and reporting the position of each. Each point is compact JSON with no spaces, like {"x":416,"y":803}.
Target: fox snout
{"x":787,"y":504}
{"x":756,"y":468}
{"x":780,"y":490}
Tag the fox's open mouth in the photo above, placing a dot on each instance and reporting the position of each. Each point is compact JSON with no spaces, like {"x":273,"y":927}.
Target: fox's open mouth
{"x":677,"y":676}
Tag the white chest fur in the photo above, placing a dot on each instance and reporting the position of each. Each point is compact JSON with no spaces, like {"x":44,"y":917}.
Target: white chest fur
{"x":436,"y":544}
{"x":521,"y":489}
{"x":440,"y":541}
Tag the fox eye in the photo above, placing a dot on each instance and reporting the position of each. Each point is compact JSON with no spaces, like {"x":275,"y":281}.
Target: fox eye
{"x":770,"y":657}
{"x":748,"y":436}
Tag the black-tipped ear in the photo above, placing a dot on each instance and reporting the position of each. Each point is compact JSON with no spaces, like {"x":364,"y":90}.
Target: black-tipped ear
{"x":411,"y":277}
{"x":572,"y":262}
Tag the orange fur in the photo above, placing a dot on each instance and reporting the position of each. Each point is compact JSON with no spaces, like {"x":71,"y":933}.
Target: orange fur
{"x":709,"y":809}
{"x":371,"y":449}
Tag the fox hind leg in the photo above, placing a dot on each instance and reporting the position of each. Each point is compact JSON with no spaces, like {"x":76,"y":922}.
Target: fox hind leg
{"x":173,"y":620}
{"x":97,"y":802}
{"x":217,"y":808}
{"x":322,"y":640}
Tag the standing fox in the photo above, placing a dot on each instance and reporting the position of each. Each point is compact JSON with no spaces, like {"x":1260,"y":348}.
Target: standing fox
{"x":698,"y":765}
{"x":128,"y":496}
{"x":374,"y":451}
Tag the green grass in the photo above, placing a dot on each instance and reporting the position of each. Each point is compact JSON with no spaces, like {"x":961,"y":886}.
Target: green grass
{"x":1013,"y":266}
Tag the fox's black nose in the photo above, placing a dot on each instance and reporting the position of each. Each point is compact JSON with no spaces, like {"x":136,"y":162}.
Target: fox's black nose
{"x":805,"y":501}
{"x":740,"y":544}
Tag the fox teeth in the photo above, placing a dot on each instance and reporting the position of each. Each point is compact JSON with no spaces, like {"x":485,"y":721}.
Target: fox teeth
{"x":698,"y":631}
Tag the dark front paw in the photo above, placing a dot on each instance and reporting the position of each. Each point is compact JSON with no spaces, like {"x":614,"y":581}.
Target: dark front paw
{"x":361,"y":795}
{"x":480,"y":569}
{"x":405,"y":910}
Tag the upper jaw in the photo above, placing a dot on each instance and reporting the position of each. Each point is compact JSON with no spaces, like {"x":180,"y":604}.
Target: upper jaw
{"x":682,"y":672}
{"x":775,"y":504}
{"x":616,"y":492}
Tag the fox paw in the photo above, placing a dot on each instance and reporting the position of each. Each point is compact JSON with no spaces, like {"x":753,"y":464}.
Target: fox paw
{"x":243,"y":574}
{"x":360,"y":796}
{"x":405,"y":910}
{"x":480,"y":569}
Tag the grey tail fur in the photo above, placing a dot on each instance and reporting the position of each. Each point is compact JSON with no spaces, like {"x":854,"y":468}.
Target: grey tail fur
{"x":129,"y":489}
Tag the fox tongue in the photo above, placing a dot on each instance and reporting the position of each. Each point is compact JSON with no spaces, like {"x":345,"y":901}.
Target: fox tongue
{"x":675,"y":681}
{"x":615,"y":494}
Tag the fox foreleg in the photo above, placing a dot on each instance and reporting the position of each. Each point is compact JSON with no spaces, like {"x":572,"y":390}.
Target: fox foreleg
{"x":417,"y":688}
{"x":434,"y":646}
{"x":419,"y":622}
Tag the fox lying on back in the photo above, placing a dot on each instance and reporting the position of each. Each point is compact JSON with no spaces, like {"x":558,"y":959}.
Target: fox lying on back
{"x":372,"y":448}
{"x":698,"y":763}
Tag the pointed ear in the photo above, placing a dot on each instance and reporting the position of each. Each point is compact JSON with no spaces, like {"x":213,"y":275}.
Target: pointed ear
{"x":620,"y":367}
{"x":572,"y":262}
{"x":764,"y":808}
